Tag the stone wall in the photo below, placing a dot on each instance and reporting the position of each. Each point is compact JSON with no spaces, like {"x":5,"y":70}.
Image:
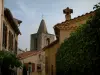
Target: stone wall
{"x":42,"y":40}
{"x":50,"y":55}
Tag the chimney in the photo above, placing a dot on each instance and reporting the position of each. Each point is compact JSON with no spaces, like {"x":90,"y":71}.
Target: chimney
{"x":67,"y":13}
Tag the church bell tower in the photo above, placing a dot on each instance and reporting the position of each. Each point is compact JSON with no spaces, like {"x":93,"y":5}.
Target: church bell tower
{"x":42,"y":38}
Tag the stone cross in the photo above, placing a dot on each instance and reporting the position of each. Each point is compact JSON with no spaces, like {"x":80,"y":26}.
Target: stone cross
{"x":67,"y":13}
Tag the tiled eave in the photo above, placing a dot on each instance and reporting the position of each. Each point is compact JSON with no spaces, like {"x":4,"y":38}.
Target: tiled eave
{"x":8,"y":15}
{"x":65,"y":24}
{"x":28,"y":54}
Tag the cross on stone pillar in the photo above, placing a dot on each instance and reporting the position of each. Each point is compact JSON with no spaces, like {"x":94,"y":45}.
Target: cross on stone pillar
{"x":67,"y":13}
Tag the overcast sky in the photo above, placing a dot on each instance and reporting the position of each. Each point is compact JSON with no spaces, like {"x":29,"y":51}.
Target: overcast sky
{"x":30,"y":12}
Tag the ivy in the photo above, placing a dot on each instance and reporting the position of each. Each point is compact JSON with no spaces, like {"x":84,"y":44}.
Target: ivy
{"x":80,"y":53}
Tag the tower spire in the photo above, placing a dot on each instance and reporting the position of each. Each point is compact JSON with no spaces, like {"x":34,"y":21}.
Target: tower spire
{"x":42,"y":27}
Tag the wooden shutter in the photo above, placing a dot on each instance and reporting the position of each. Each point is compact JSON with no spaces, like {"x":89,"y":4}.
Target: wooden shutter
{"x":33,"y":67}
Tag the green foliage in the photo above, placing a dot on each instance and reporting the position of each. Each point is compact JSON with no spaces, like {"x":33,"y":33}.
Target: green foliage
{"x":97,"y":6}
{"x":8,"y":59}
{"x":80,"y":53}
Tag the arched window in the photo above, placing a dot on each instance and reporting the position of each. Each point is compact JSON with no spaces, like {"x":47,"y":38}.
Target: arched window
{"x":48,"y":41}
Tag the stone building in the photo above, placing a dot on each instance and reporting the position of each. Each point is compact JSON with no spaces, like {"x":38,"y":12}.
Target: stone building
{"x":62,"y":32}
{"x":9,"y":31}
{"x":42,"y":38}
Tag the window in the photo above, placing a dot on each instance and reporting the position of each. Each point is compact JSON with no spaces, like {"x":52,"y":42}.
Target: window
{"x":38,"y":67}
{"x":15,"y":46}
{"x":30,"y":66}
{"x":48,"y":41}
{"x":4,"y":35}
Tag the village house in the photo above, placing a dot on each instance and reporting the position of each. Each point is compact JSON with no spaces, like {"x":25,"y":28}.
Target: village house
{"x":34,"y":61}
{"x":62,"y":32}
{"x":9,"y":32}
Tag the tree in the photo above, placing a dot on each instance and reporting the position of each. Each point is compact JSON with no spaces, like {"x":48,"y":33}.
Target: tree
{"x":8,"y":61}
{"x":80,"y":53}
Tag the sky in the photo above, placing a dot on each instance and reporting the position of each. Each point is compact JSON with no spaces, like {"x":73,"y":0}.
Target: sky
{"x":31,"y":11}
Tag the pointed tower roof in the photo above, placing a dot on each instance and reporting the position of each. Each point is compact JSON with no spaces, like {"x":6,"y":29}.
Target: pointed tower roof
{"x":42,"y":27}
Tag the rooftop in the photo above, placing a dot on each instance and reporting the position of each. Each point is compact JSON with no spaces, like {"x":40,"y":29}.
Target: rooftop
{"x":28,"y":54}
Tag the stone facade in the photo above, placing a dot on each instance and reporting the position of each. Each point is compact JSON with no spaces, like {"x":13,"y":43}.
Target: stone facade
{"x":42,"y":38}
{"x":10,"y":31}
{"x":50,"y":58}
{"x":62,"y":31}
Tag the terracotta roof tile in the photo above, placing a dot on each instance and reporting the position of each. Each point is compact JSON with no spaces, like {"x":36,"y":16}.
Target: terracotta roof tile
{"x":76,"y":19}
{"x":28,"y":53}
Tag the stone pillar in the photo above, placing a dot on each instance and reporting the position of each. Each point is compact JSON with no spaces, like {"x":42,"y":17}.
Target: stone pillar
{"x":67,"y":13}
{"x":7,"y":47}
{"x":1,"y":21}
